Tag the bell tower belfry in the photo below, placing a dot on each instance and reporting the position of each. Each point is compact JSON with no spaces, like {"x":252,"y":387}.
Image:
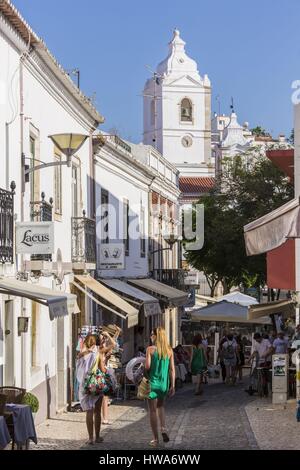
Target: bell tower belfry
{"x":177,"y":112}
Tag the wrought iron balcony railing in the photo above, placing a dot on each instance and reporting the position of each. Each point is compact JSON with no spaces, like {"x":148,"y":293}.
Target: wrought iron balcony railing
{"x":83,"y":240}
{"x":41,"y":211}
{"x":7,"y":224}
{"x":172,"y":277}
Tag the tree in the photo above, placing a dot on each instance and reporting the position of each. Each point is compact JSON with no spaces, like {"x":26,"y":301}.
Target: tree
{"x":260,"y":132}
{"x":243,"y":194}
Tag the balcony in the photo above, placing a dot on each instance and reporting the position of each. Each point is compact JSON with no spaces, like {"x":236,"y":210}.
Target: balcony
{"x":171,"y":277}
{"x":41,"y":211}
{"x":83,"y":243}
{"x":7,"y":225}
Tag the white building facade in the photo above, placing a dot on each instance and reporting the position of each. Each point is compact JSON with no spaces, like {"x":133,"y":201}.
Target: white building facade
{"x":131,"y":228}
{"x":38,"y":99}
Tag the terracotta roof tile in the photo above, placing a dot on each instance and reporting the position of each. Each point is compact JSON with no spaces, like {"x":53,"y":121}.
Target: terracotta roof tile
{"x":196,"y":184}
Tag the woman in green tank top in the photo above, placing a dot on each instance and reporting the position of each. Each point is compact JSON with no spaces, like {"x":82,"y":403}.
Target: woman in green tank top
{"x":161,"y":372}
{"x":198,"y":363}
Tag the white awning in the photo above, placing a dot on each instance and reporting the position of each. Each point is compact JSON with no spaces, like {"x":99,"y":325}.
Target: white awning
{"x":59,"y":303}
{"x":225,"y":312}
{"x":273,"y":229}
{"x":150,"y":304}
{"x":167,"y":293}
{"x":110,"y":300}
{"x":284,"y":307}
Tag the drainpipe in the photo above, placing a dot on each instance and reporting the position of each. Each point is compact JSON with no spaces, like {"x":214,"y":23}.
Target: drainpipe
{"x":23,"y":302}
{"x":92,"y":177}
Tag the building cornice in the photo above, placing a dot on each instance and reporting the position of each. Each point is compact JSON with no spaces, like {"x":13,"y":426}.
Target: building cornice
{"x":23,"y":38}
{"x":39,"y":70}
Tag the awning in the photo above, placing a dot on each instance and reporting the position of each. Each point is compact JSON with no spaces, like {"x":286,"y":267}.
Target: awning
{"x":205,"y":298}
{"x":239,"y":298}
{"x":224,"y":312}
{"x":109,"y":299}
{"x":272,"y":230}
{"x":59,"y":303}
{"x":150,"y":304}
{"x":284,"y":307}
{"x":168,"y":294}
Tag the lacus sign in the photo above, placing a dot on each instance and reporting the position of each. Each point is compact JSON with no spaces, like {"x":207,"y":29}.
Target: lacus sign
{"x":35,"y":238}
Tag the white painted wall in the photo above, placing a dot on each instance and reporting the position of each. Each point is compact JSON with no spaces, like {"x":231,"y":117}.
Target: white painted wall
{"x":122,"y":180}
{"x":48,"y":108}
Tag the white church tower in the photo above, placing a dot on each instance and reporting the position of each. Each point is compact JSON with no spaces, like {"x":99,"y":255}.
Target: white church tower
{"x":177,"y":112}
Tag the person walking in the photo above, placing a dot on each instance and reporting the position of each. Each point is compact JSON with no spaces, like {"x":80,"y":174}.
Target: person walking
{"x":106,"y":346}
{"x":198,"y":363}
{"x":161,"y":371}
{"x":86,"y":361}
{"x":240,"y":357}
{"x":229,"y":348}
{"x":221,"y":358}
{"x":280,"y":344}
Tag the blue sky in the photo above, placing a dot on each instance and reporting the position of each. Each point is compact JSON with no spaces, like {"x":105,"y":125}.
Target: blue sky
{"x":250,"y":50}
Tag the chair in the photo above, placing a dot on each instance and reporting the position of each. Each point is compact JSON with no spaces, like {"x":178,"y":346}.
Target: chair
{"x":13,"y":394}
{"x":3,"y":401}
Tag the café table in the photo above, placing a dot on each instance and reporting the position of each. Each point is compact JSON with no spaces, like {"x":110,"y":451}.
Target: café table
{"x":23,"y":424}
{"x":4,"y":433}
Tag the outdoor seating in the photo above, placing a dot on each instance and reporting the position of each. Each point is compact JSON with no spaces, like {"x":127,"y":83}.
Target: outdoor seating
{"x":3,"y":401}
{"x":13,"y":394}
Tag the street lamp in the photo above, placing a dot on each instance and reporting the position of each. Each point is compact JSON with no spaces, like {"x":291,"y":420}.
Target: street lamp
{"x":68,"y":144}
{"x":170,"y":239}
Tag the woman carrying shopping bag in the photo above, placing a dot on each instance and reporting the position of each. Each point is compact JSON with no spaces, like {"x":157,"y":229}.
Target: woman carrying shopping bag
{"x":161,"y":372}
{"x":90,"y":375}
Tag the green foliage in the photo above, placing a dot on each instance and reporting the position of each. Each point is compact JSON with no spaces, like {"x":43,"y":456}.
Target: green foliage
{"x":32,"y":401}
{"x":260,"y":132}
{"x":245,"y":193}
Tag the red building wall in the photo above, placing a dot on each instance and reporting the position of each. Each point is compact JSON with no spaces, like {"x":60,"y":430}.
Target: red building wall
{"x":281,"y":273}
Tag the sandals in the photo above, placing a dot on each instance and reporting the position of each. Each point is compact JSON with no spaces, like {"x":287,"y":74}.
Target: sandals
{"x":165,"y":435}
{"x":153,"y":443}
{"x":106,"y":422}
{"x":90,"y":442}
{"x":99,"y":439}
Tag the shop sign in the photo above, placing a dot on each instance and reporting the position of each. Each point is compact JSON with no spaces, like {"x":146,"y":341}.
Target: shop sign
{"x":112,"y":256}
{"x":279,"y":366}
{"x":35,"y":238}
{"x":191,"y":278}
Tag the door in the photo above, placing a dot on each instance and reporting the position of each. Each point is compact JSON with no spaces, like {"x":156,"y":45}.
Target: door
{"x":9,"y":369}
{"x":60,"y":363}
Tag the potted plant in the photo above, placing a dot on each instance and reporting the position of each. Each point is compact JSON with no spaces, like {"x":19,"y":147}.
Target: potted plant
{"x":32,"y":401}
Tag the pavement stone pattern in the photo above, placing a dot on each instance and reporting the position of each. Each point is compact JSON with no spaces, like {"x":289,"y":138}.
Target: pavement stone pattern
{"x":274,"y":426}
{"x":224,"y":417}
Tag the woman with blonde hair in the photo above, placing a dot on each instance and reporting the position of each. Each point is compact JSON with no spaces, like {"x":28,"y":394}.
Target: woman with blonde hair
{"x":161,"y":372}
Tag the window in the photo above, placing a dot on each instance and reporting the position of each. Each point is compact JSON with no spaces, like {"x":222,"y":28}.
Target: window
{"x":34,"y":177}
{"x":57,"y":185}
{"x":104,"y":216}
{"x":126,"y":225}
{"x":142,"y":233}
{"x":152,"y":111}
{"x":186,"y":110}
{"x":76,"y":190}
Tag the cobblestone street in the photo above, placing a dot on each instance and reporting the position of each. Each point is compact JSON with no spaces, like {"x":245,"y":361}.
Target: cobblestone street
{"x":224,"y":417}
